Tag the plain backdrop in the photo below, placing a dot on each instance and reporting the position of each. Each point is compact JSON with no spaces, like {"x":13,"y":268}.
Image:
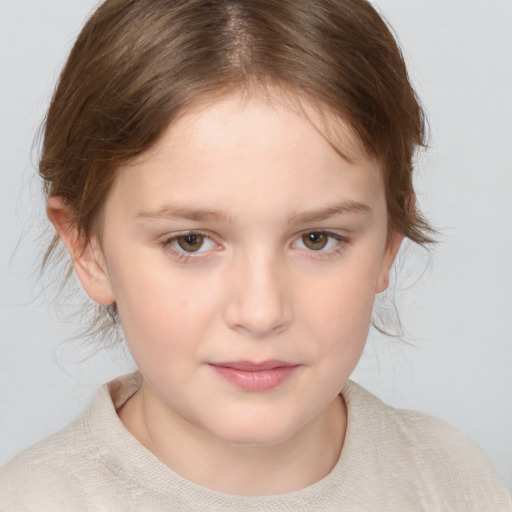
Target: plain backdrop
{"x":456,"y":308}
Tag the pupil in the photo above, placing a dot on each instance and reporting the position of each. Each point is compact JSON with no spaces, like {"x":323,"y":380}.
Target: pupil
{"x":315,"y":241}
{"x":190,"y":243}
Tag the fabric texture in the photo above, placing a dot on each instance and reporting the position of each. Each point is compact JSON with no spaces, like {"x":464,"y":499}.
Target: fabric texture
{"x":392,"y":460}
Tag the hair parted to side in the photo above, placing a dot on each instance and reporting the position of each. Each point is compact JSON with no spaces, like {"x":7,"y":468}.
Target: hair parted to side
{"x":138,"y":64}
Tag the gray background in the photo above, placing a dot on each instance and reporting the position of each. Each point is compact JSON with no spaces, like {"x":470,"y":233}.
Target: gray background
{"x":456,"y":309}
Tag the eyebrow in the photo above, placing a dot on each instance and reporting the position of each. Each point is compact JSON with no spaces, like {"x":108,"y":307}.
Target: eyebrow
{"x":182,"y":212}
{"x":328,"y":212}
{"x":200,"y":214}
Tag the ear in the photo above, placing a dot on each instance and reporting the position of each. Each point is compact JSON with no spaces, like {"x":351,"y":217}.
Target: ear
{"x":87,"y":256}
{"x":390,"y":253}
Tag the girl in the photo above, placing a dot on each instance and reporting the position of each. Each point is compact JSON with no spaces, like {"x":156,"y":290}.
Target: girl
{"x":233,"y":181}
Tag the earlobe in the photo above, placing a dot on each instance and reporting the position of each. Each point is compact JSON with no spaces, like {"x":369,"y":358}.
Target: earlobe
{"x":387,"y":262}
{"x":87,"y":256}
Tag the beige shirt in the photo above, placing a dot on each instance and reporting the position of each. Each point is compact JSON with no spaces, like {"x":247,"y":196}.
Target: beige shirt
{"x":392,"y":460}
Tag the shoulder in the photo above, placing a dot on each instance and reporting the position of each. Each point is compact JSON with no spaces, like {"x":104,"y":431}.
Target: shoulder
{"x":48,"y":471}
{"x":66,"y":469}
{"x":423,"y":455}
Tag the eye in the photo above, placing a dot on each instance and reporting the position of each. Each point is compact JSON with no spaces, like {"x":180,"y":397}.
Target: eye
{"x":315,"y":241}
{"x":191,"y":242}
{"x":319,"y":241}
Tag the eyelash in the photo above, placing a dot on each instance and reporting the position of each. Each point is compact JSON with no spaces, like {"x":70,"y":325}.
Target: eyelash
{"x":342,"y":243}
{"x":184,"y":256}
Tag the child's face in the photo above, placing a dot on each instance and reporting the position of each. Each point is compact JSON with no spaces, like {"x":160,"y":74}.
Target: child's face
{"x":244,"y":242}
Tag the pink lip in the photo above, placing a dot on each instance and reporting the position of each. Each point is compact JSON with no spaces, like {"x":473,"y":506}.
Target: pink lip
{"x":251,"y":376}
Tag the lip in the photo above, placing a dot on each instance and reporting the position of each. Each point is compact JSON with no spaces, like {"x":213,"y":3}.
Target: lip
{"x":255,"y":376}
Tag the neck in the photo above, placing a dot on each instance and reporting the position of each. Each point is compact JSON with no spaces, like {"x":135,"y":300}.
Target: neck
{"x":297,"y":462}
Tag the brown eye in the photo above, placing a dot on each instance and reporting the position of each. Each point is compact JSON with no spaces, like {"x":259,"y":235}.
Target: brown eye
{"x":191,"y":242}
{"x":315,"y":241}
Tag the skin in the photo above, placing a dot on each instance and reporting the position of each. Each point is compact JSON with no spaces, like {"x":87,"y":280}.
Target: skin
{"x":253,"y":177}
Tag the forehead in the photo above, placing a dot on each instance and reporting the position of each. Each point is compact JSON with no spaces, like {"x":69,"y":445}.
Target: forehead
{"x":218,"y":107}
{"x":241,"y":150}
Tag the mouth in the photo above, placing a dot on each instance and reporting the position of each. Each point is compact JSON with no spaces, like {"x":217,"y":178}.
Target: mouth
{"x":252,"y":376}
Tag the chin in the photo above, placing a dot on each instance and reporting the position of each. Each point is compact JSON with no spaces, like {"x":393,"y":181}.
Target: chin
{"x":257,"y":434}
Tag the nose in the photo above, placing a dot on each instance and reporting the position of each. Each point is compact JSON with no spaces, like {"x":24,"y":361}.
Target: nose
{"x":258,"y":301}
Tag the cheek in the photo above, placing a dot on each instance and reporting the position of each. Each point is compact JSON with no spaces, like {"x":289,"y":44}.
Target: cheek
{"x":347,"y":294}
{"x":163,"y":314}
{"x":339,"y":310}
{"x":163,"y":331}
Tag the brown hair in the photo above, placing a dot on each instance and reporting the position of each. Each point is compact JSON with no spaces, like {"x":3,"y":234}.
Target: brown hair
{"x":138,"y":64}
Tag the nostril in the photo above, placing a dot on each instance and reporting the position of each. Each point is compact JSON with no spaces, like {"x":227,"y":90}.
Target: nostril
{"x":258,"y":322}
{"x":258,"y":314}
